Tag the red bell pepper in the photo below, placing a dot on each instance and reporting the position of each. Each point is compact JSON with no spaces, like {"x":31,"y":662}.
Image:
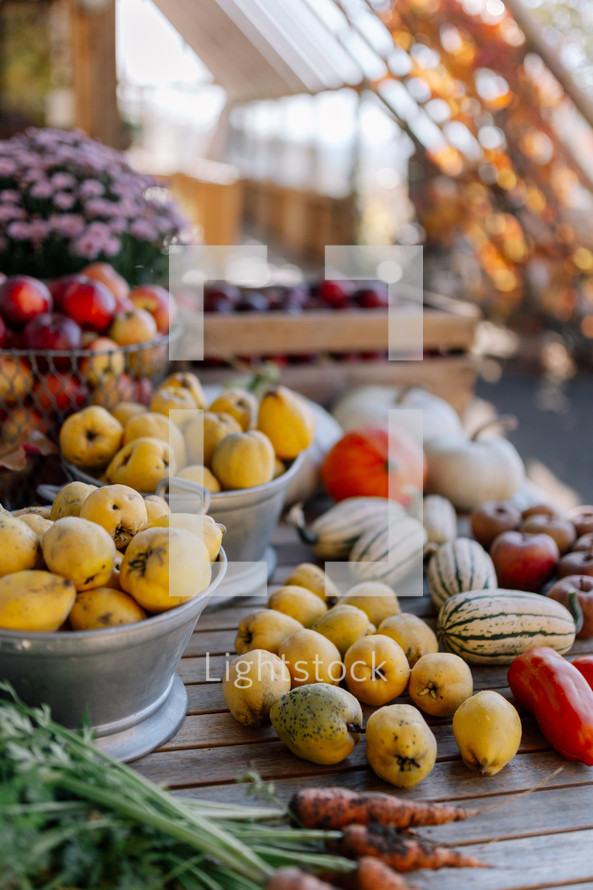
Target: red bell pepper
{"x":584,"y":664}
{"x":560,"y":699}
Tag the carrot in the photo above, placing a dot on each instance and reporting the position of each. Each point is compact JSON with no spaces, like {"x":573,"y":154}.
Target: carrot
{"x":401,"y":853}
{"x":334,"y":808}
{"x":295,"y":879}
{"x":373,"y":874}
{"x":370,"y":874}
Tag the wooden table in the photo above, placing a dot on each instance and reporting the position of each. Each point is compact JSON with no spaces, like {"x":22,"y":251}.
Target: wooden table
{"x":544,"y":839}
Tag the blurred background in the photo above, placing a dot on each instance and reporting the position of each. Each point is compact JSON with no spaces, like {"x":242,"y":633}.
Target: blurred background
{"x":464,"y":126}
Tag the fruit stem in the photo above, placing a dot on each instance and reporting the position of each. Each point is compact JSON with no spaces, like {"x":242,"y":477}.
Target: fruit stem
{"x":296,"y":517}
{"x":408,"y":388}
{"x":574,"y":607}
{"x":355,"y":727}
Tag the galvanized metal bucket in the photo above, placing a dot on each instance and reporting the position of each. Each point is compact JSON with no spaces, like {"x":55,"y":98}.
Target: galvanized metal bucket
{"x":123,"y":678}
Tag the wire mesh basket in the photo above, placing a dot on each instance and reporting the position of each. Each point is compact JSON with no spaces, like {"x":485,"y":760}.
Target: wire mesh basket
{"x":39,"y":390}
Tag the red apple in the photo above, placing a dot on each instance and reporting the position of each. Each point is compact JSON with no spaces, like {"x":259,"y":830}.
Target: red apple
{"x":58,"y":393}
{"x":22,"y":298}
{"x":158,"y":301}
{"x":13,"y":339}
{"x":2,"y":332}
{"x":52,"y":332}
{"x":582,"y":519}
{"x":585,"y":542}
{"x":335,"y":294}
{"x":58,"y":287}
{"x":524,"y":562}
{"x":561,"y":530}
{"x":135,"y":326}
{"x":252,"y":301}
{"x":583,"y":584}
{"x":288,"y":299}
{"x":218,"y":297}
{"x":579,"y":562}
{"x":372,"y":297}
{"x":491,"y":519}
{"x":90,"y":304}
{"x":107,"y":275}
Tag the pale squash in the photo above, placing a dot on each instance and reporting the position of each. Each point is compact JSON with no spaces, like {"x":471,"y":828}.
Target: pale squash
{"x":371,"y":404}
{"x":471,"y":471}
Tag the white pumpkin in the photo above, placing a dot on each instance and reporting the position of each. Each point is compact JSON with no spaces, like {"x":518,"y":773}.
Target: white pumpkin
{"x":471,"y":471}
{"x":370,"y":405}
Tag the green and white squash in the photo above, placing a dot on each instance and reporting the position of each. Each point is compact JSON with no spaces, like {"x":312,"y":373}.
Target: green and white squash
{"x":333,"y":534}
{"x":389,"y":554}
{"x":439,"y":519}
{"x":494,"y":626}
{"x":457,"y":566}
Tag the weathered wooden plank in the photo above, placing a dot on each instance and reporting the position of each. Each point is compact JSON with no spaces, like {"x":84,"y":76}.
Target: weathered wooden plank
{"x":545,"y":811}
{"x":450,"y":779}
{"x":225,"y":616}
{"x":205,"y":698}
{"x":216,"y":642}
{"x":522,"y":863}
{"x":325,"y":331}
{"x":203,"y":669}
{"x":220,"y":730}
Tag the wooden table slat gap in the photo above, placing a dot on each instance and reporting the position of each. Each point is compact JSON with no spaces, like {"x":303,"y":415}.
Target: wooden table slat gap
{"x":201,"y":745}
{"x":338,"y":769}
{"x":205,"y":713}
{"x":462,"y":798}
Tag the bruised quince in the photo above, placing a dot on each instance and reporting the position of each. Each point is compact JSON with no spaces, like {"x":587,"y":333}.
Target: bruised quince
{"x":119,"y":509}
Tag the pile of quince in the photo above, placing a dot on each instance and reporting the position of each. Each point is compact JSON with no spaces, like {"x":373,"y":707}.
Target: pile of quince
{"x":235,"y":442}
{"x":311,"y":658}
{"x":100,"y":557}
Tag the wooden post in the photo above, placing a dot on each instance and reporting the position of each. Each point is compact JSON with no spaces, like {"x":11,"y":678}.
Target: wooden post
{"x":94,"y":71}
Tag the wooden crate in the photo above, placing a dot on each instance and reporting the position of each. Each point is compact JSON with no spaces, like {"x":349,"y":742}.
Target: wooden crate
{"x":448,"y":369}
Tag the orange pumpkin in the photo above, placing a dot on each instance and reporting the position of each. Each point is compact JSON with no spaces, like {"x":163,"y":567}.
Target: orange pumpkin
{"x":370,"y":463}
